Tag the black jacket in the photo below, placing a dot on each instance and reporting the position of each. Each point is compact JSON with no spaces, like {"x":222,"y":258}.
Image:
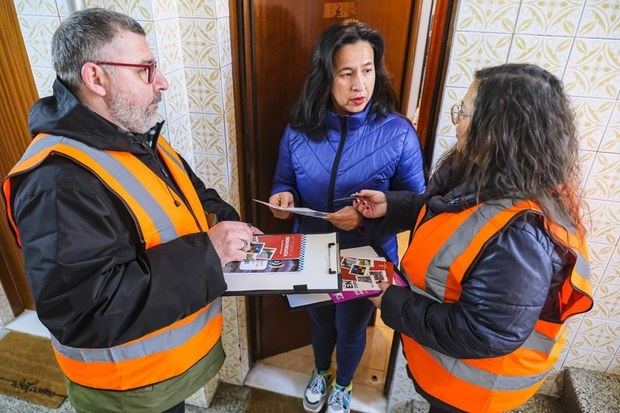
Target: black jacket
{"x":93,"y":282}
{"x":513,"y":283}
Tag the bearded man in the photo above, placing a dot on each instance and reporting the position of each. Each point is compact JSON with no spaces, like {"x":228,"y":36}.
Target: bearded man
{"x":125,"y":271}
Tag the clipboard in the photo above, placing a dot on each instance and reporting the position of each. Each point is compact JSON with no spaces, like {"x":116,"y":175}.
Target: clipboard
{"x":300,"y":264}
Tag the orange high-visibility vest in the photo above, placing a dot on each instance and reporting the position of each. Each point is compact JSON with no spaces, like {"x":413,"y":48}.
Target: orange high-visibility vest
{"x":160,"y":216}
{"x":441,"y":252}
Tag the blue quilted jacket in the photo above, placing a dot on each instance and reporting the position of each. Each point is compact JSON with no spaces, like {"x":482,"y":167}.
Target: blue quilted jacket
{"x":361,"y":151}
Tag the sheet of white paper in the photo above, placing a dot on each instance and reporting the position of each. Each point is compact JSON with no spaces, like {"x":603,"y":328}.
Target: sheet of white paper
{"x":295,"y":210}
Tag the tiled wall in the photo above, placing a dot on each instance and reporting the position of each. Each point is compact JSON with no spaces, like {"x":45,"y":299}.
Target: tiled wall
{"x":191,"y":41}
{"x":578,"y":41}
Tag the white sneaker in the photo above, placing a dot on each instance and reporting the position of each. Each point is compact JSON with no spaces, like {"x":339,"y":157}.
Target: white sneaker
{"x":339,"y":400}
{"x":316,"y":391}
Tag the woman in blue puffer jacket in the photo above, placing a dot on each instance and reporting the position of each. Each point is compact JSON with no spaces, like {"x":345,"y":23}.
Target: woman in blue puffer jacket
{"x":344,"y":136}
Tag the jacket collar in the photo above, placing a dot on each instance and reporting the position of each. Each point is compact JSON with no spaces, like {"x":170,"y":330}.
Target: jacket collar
{"x":353,"y":121}
{"x":63,"y":114}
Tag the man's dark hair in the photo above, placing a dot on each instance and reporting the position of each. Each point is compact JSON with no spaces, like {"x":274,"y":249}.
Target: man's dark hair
{"x":308,"y":113}
{"x":521,"y":142}
{"x":80,"y":38}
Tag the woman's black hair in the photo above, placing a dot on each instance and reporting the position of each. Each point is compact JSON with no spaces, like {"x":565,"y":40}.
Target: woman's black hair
{"x":521,"y":142}
{"x":308,"y":113}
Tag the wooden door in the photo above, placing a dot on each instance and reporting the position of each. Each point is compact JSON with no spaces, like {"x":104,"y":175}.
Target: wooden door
{"x":18,"y":93}
{"x":275,"y":42}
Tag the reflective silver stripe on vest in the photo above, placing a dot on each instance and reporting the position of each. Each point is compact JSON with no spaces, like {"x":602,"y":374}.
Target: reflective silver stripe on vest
{"x":539,"y":342}
{"x":582,"y":266}
{"x":437,"y":272}
{"x":162,"y":223}
{"x":162,"y":342}
{"x":482,"y":378}
{"x":171,"y":156}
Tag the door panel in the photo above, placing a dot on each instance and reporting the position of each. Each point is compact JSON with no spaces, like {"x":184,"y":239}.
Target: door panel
{"x":278,"y":37}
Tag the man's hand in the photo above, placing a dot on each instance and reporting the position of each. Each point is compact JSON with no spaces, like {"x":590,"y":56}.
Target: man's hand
{"x":231,"y":240}
{"x":283,"y":199}
{"x":371,"y":204}
{"x":377,"y":300}
{"x":345,"y":219}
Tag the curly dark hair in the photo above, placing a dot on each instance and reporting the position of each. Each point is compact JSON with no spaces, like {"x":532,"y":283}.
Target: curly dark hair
{"x":521,"y":142}
{"x":308,"y":113}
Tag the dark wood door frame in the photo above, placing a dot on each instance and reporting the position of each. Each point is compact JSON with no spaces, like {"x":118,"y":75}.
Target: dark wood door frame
{"x":244,"y":82}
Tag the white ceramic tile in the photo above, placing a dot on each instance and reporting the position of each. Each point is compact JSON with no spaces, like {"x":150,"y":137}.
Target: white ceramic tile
{"x":472,"y":51}
{"x":488,"y":15}
{"x":92,"y":3}
{"x":208,"y":134}
{"x":228,"y":94}
{"x":442,"y":145}
{"x":221,"y":8}
{"x":586,"y":159}
{"x":592,"y":116}
{"x":614,"y":366}
{"x":549,"y":17}
{"x":197,"y":8}
{"x":611,"y":136}
{"x":164,"y":9}
{"x":593,"y":69}
{"x":607,"y":308}
{"x":588,"y":359}
{"x":170,"y":52}
{"x":611,"y":276}
{"x":602,"y":219}
{"x":38,"y":7}
{"x":180,"y":136}
{"x":204,"y":90}
{"x":176,"y":96}
{"x":138,"y":9}
{"x":29,"y":323}
{"x":37,"y":32}
{"x":599,"y":254}
{"x":223,"y":39}
{"x":44,"y":79}
{"x":598,"y":335}
{"x":151,"y":38}
{"x":550,"y":53}
{"x":604,"y":178}
{"x":199,"y":38}
{"x":213,"y":171}
{"x":451,"y":96}
{"x":6,"y":313}
{"x":600,"y":19}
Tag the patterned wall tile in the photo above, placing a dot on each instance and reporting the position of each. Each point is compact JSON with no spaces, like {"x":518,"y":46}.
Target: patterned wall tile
{"x":586,"y":159}
{"x":606,"y":307}
{"x":138,"y":9}
{"x":208,"y":134}
{"x":164,"y":9}
{"x":572,"y":328}
{"x":36,"y":7}
{"x":161,"y":111}
{"x":550,"y":53}
{"x":549,"y":17}
{"x":442,"y":145}
{"x":6,"y":313}
{"x":611,"y":138}
{"x":197,"y":8}
{"x":213,"y":171}
{"x":593,"y":69}
{"x":588,"y":359}
{"x":602,"y":220}
{"x":600,"y":255}
{"x":223,"y":38}
{"x":91,"y":3}
{"x":488,"y":15}
{"x":44,"y":79}
{"x":614,"y":366}
{"x":151,"y":38}
{"x":600,"y":19}
{"x":199,"y":39}
{"x":597,"y":335}
{"x":180,"y":137}
{"x":198,"y":399}
{"x":221,"y":8}
{"x":592,"y":116}
{"x":233,"y":160}
{"x":168,"y":34}
{"x":176,"y":96}
{"x":227,"y":88}
{"x":204,"y":90}
{"x":37,"y":32}
{"x":611,"y":277}
{"x":451,"y":96}
{"x":604,"y":178}
{"x":472,"y":51}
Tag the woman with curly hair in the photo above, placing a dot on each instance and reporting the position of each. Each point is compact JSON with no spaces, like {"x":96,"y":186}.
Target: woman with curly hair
{"x":498,"y":260}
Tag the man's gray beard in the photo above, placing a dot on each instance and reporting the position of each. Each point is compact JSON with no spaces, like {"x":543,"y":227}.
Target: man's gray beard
{"x":128,"y":114}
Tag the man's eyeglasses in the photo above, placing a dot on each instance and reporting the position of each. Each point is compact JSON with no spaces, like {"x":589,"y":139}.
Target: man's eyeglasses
{"x":150,"y":67}
{"x":456,"y":113}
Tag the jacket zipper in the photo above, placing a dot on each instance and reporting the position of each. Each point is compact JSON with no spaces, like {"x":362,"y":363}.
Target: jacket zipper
{"x":332,"y":179}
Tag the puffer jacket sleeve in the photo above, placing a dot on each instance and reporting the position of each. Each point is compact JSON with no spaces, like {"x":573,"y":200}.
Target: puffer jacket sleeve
{"x":284,"y":176}
{"x":410,"y":174}
{"x":94,"y":284}
{"x":500,"y":302}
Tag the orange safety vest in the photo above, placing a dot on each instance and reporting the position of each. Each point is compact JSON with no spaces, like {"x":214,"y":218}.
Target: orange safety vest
{"x":160,"y":216}
{"x":440,"y":254}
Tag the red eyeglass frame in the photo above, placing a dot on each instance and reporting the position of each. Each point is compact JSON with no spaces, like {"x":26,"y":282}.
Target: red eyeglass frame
{"x":150,"y":67}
